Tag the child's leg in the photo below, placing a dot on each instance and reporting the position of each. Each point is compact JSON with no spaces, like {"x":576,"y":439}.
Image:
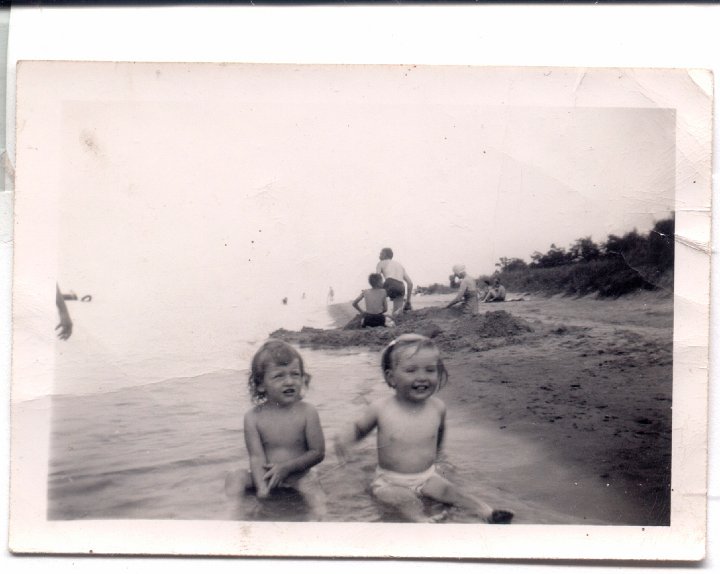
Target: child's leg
{"x":406,"y":502}
{"x":311,"y":489}
{"x":443,"y":490}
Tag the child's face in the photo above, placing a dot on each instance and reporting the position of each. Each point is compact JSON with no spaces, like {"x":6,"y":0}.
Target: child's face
{"x":283,"y":384}
{"x":414,"y":376}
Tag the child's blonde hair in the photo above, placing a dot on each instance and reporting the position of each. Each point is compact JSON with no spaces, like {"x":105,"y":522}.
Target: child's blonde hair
{"x":418,"y":342}
{"x":276,"y":352}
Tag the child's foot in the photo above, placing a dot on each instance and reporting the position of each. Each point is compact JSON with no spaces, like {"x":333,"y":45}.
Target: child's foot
{"x":500,"y":517}
{"x":435,"y":518}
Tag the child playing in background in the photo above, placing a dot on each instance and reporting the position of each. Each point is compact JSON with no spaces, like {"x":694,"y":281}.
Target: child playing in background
{"x":283,"y":435}
{"x":410,"y":431}
{"x":496,"y":293}
{"x":375,"y":303}
{"x":467,"y":293}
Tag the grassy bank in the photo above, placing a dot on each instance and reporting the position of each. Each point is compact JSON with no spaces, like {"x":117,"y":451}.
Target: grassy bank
{"x":618,"y":266}
{"x":604,"y":277}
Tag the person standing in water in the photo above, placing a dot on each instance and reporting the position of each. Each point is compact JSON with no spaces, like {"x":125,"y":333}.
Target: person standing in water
{"x":395,"y":278}
{"x":66,"y":325}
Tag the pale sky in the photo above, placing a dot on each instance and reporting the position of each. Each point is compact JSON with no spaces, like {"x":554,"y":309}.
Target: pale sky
{"x":297,"y":185}
{"x":190,"y":201}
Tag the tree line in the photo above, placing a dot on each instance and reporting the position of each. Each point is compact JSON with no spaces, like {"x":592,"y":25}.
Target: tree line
{"x":618,"y":265}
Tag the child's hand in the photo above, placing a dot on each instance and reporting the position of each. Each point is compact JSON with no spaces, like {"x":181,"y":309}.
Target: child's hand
{"x":275,"y":474}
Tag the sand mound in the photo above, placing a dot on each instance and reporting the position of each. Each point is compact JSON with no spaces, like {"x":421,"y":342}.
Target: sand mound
{"x":451,"y":329}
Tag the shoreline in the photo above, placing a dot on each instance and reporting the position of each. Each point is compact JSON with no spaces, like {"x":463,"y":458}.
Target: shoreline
{"x":590,"y":380}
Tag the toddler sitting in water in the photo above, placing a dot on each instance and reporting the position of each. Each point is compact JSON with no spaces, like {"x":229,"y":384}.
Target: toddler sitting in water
{"x":410,"y":426}
{"x":283,"y":435}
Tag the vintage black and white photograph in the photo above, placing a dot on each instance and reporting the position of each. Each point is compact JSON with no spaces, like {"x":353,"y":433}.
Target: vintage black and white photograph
{"x":318,"y":298}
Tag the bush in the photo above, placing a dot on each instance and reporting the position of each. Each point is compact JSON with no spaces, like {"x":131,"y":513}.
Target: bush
{"x":608,"y":277}
{"x":617,"y":267}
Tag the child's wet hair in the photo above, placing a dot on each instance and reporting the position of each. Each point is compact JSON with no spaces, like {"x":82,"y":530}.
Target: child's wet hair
{"x":275,"y":352}
{"x":375,"y":280}
{"x":386,"y":253}
{"x":418,"y":342}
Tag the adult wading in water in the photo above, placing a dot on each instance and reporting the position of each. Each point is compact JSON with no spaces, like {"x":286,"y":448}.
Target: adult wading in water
{"x":395,"y":280}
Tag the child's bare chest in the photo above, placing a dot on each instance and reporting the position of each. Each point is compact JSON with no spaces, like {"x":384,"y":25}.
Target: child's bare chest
{"x":281,"y":428}
{"x":409,"y":426}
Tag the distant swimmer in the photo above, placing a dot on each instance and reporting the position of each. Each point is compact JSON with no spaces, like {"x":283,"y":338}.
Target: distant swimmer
{"x":284,"y":300}
{"x":331,"y":296}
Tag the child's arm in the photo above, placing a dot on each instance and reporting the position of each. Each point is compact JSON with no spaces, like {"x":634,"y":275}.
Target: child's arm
{"x":256,"y":452}
{"x":459,"y":296}
{"x":439,"y":454}
{"x":441,"y":430}
{"x":358,"y":430}
{"x":357,"y":301}
{"x":314,"y":454}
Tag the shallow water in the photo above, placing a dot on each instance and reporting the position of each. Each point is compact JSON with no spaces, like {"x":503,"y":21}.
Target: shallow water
{"x":162,"y":451}
{"x":125,"y":446}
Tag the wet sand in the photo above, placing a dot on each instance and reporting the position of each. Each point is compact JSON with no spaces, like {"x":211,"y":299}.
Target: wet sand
{"x":576,"y":393}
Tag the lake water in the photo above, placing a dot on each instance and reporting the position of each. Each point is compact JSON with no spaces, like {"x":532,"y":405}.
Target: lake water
{"x":152,"y":433}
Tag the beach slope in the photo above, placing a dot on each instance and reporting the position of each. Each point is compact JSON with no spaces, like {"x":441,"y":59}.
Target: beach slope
{"x":589,"y":380}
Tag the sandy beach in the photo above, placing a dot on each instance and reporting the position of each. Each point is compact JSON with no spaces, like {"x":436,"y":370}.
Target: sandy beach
{"x":587,"y":382}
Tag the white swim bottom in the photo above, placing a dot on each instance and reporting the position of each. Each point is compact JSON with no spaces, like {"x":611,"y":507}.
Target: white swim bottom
{"x":412,"y":481}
